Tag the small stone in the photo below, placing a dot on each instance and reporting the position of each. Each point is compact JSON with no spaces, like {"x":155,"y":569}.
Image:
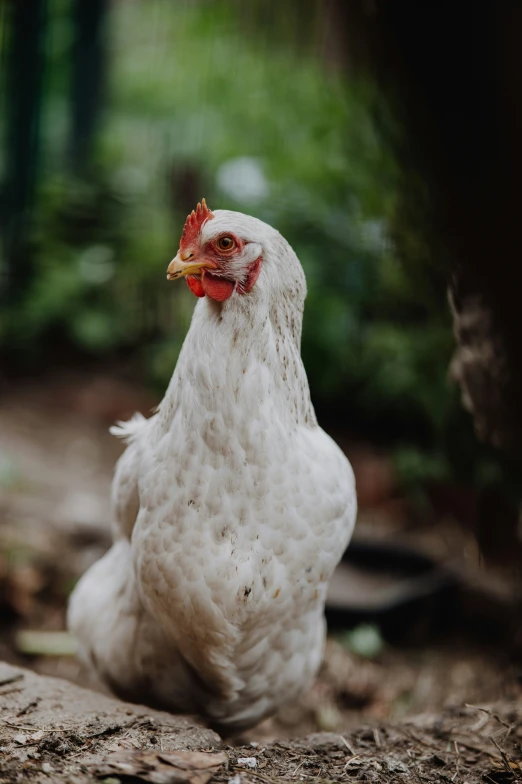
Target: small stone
{"x":248,"y":762}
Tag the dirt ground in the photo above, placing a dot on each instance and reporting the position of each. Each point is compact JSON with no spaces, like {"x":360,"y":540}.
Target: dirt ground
{"x":439,"y":705}
{"x":51,"y":730}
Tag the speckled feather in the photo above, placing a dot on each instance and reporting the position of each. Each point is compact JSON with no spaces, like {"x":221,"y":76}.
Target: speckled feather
{"x":232,"y":508}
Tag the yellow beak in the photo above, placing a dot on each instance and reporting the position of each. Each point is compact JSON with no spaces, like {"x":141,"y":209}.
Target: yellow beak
{"x":179,"y":267}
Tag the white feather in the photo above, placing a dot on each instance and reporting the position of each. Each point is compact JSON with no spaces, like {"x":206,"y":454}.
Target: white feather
{"x":127,"y":430}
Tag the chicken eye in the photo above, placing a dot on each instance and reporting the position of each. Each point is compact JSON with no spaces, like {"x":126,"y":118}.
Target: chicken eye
{"x":225,"y":243}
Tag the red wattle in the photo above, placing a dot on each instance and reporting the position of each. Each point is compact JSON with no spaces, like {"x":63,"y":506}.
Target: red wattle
{"x":195,"y":286}
{"x":217,"y":288}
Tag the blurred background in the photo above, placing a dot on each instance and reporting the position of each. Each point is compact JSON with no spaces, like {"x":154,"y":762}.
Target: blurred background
{"x":369,"y":137}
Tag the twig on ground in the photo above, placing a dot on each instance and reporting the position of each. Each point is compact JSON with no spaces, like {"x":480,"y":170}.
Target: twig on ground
{"x":495,"y":716}
{"x":28,"y":707}
{"x":348,"y":762}
{"x":506,"y":760}
{"x":457,"y":767}
{"x":297,"y":768}
{"x":352,"y":752}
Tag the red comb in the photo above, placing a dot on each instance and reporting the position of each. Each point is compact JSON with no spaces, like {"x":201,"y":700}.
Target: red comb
{"x":193,"y":224}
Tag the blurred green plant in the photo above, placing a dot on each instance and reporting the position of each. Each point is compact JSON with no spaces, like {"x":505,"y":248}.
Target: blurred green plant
{"x":365,"y":641}
{"x":199,"y":106}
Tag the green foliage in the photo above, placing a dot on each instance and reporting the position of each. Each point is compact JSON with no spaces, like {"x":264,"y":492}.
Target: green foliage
{"x":364,"y":641}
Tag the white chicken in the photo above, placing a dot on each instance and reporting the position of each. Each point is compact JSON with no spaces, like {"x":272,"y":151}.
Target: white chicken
{"x":232,"y":507}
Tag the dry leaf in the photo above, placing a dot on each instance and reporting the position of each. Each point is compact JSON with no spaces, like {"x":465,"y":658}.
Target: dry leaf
{"x":166,"y":767}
